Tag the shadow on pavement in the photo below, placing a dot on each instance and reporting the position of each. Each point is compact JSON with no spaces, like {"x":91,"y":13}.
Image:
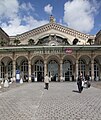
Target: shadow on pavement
{"x":76,"y":91}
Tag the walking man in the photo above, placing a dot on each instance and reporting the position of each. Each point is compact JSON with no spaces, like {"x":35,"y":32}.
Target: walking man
{"x":46,"y":81}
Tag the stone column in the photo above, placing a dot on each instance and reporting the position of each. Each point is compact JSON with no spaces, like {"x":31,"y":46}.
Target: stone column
{"x":14,"y":70}
{"x":92,"y":69}
{"x":6,"y":71}
{"x":29,"y":70}
{"x":100,"y":72}
{"x":87,"y":69}
{"x":73,"y":72}
{"x":61,"y":71}
{"x":0,"y":69}
{"x":76,"y":69}
{"x":45,"y":68}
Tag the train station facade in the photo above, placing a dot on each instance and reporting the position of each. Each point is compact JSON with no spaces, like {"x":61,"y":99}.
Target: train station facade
{"x":52,"y":49}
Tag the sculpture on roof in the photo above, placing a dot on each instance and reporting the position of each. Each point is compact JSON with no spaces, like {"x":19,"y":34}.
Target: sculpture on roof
{"x":52,"y":20}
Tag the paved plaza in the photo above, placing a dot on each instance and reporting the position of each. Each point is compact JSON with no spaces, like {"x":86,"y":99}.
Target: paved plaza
{"x":31,"y":101}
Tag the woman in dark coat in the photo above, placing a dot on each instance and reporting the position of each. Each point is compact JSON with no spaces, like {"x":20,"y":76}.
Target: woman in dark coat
{"x":79,"y":83}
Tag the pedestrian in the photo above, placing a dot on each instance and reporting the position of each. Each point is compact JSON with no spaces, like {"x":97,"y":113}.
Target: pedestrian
{"x":46,"y":81}
{"x":79,"y":83}
{"x":87,"y":80}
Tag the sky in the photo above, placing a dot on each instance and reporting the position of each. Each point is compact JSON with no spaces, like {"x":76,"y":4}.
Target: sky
{"x":19,"y":16}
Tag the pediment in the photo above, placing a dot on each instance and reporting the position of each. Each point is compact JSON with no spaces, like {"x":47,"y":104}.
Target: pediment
{"x":55,"y":29}
{"x":54,"y":26}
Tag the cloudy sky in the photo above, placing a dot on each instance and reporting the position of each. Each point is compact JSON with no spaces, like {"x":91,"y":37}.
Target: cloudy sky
{"x":18,"y":16}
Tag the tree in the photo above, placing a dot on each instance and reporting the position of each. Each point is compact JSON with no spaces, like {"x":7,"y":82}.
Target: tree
{"x":31,"y":42}
{"x":75,"y":41}
{"x":17,"y":41}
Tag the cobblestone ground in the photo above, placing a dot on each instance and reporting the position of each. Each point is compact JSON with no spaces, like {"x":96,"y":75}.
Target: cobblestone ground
{"x":31,"y":101}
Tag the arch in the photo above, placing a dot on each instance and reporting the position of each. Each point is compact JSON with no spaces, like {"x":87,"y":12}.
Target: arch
{"x":67,"y":69}
{"x":46,"y":35}
{"x":53,"y":57}
{"x":38,"y":70}
{"x":86,"y":58}
{"x":81,"y":66}
{"x":24,"y":68}
{"x":6,"y":67}
{"x":20,"y":59}
{"x":70,"y":58}
{"x":37,"y":63}
{"x":53,"y":70}
{"x":22,"y":65}
{"x":56,"y":38}
{"x":35,"y":58}
{"x":20,"y":56}
{"x":98,"y":59}
{"x":6,"y":60}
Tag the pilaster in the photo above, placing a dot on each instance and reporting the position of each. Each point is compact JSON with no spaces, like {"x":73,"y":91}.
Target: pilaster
{"x":29,"y":70}
{"x":76,"y":69}
{"x":92,"y":69}
{"x":45,"y":68}
{"x":61,"y":70}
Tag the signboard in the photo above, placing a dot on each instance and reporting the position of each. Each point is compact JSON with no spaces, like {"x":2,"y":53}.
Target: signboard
{"x":68,"y":50}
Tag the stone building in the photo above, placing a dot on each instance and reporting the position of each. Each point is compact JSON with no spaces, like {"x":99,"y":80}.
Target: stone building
{"x":59,"y":51}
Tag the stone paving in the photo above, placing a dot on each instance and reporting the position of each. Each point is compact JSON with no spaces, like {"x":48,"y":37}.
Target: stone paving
{"x":31,"y":101}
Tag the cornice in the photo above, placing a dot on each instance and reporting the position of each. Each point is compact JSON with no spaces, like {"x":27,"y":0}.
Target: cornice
{"x":4,"y":33}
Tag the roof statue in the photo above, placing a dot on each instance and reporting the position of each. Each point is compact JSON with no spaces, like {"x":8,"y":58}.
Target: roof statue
{"x":52,"y":20}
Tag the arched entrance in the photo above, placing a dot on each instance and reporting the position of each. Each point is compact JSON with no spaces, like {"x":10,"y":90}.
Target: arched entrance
{"x":3,"y":68}
{"x":67,"y":70}
{"x":81,"y":67}
{"x":39,"y":70}
{"x":6,"y":68}
{"x":53,"y":70}
{"x":24,"y":69}
{"x":22,"y":66}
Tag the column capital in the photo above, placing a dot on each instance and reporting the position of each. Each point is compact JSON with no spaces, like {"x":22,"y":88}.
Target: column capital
{"x":92,"y":61}
{"x":77,"y":61}
{"x":61,"y":61}
{"x":14,"y":62}
{"x":45,"y":61}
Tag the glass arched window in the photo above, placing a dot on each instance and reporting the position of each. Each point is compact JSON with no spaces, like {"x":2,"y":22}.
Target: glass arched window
{"x":53,"y":70}
{"x":2,"y":70}
{"x":24,"y":67}
{"x":81,"y":66}
{"x":10,"y":69}
{"x":39,"y":70}
{"x":67,"y":70}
